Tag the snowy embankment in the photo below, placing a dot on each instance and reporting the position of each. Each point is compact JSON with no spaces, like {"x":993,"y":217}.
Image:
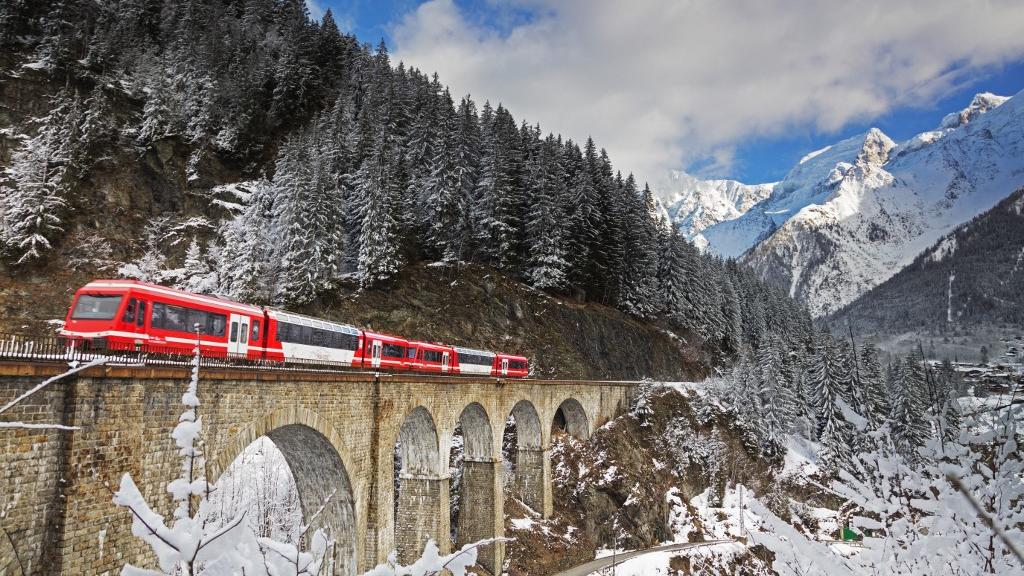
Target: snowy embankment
{"x":872,"y":510}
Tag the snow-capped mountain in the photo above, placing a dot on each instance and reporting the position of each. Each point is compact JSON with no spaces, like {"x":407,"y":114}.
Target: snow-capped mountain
{"x":851,"y":215}
{"x":692,"y":204}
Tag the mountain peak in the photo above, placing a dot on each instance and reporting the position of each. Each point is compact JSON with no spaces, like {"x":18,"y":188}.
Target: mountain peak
{"x":876,"y":148}
{"x":980,"y":104}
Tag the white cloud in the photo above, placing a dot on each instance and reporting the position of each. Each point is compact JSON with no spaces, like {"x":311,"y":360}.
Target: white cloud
{"x":316,"y":10}
{"x":665,"y":83}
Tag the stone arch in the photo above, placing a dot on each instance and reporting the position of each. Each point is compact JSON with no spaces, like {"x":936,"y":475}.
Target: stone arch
{"x":477,"y":434}
{"x":572,"y":417}
{"x":475,"y":519}
{"x":528,"y":474}
{"x":419,"y":444}
{"x":317,"y":460}
{"x":421,"y":485}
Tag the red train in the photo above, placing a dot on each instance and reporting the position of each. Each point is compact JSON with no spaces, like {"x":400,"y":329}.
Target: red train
{"x":128,"y":314}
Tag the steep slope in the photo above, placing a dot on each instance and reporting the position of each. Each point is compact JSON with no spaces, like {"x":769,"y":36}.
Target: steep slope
{"x":850,"y":216}
{"x":969,"y":279}
{"x":692,"y":205}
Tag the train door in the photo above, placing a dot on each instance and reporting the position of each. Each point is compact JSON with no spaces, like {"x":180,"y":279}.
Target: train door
{"x":504,"y":366}
{"x":375,"y":349}
{"x":238,"y":335}
{"x":445,"y":361}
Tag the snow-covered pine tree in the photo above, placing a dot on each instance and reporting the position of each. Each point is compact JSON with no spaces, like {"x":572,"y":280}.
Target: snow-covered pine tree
{"x":497,"y":227}
{"x":774,"y":396}
{"x":584,"y":219}
{"x":444,"y":203}
{"x":548,"y":265}
{"x":247,"y":257}
{"x":875,"y":399}
{"x":744,"y":396}
{"x":309,"y":212}
{"x":825,"y":377}
{"x":671,"y":275}
{"x":378,"y":183}
{"x":732,"y":316}
{"x":907,"y":422}
{"x":196,"y":274}
{"x":805,"y":422}
{"x":467,"y":166}
{"x":33,"y":201}
{"x":638,"y":294}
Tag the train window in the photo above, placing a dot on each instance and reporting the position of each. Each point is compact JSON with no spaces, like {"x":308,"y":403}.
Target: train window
{"x":517,"y":364}
{"x":479,"y":359}
{"x":140,"y":318}
{"x":181,"y":319}
{"x":255,"y":331}
{"x":96,"y":307}
{"x":296,"y":334}
{"x":393,"y":351}
{"x":234,"y":331}
{"x":412,"y":353}
{"x":244,"y":336}
{"x":168,"y":317}
{"x":432,"y":356}
{"x":129,"y":311}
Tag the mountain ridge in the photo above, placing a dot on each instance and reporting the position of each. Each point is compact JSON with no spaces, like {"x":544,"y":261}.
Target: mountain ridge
{"x":850,"y":215}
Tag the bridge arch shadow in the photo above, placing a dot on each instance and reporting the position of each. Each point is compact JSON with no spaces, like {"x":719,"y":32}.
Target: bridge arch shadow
{"x":473,"y":482}
{"x":571,"y":417}
{"x":523,"y":448}
{"x":316,"y":459}
{"x":420,"y":485}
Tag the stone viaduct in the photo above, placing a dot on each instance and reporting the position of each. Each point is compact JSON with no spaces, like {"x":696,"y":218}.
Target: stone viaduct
{"x":337,"y":431}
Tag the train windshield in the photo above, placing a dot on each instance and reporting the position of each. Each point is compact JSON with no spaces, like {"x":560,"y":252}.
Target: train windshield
{"x":96,"y":307}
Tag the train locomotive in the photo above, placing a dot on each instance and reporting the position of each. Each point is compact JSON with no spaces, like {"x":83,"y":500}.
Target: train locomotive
{"x":134,"y":315}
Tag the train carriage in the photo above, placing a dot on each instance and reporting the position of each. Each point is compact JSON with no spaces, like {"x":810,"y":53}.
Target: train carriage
{"x":133,"y":315}
{"x":472,"y":361}
{"x":383,"y":351}
{"x":509,"y":365}
{"x":429,"y":357}
{"x":304,"y":339}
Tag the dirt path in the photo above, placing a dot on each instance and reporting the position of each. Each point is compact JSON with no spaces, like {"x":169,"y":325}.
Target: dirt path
{"x":599,"y":563}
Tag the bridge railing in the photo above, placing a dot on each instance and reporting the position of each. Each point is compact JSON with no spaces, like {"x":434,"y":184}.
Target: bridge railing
{"x":59,"y":349}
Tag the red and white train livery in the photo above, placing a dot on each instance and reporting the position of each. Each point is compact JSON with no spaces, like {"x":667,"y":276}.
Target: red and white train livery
{"x":133,"y":315}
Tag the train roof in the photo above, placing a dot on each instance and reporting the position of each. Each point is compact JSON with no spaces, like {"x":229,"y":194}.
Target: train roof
{"x":473,"y":351}
{"x":303,"y":320}
{"x":151,"y":288}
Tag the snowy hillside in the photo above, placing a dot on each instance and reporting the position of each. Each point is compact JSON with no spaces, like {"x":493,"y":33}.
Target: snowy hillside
{"x":970,"y":279}
{"x":848,"y":217}
{"x":693,"y":205}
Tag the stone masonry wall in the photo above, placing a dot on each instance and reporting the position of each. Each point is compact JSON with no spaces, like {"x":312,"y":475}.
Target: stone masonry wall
{"x":58,"y":510}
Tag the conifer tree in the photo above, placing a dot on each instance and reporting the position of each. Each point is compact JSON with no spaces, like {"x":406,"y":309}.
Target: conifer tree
{"x":248,"y":262}
{"x":639,"y":290}
{"x":907,"y":420}
{"x":774,"y":398}
{"x":826,"y":380}
{"x":34,"y":201}
{"x":379,"y":184}
{"x":548,"y":268}
{"x":445,"y":204}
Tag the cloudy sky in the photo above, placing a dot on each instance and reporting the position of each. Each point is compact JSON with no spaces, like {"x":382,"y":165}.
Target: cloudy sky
{"x":720,"y":88}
